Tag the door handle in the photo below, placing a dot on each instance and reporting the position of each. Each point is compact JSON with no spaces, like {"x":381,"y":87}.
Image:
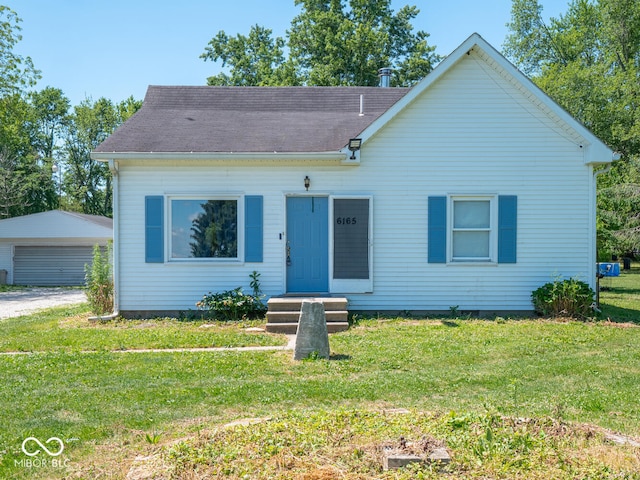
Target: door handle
{"x":288,"y":254}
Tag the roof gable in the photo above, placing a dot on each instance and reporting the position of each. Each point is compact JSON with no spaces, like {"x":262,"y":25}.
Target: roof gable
{"x":595,"y":151}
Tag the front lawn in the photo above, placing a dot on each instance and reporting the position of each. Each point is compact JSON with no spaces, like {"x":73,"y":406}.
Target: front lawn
{"x":495,"y":391}
{"x":67,"y":329}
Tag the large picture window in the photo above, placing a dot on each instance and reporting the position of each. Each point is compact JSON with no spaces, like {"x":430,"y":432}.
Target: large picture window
{"x":472,"y":232}
{"x":204,"y":228}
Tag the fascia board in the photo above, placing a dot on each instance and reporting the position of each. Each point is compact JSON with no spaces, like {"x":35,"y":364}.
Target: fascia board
{"x":222,"y":156}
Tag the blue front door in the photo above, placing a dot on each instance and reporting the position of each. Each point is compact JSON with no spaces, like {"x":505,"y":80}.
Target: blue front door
{"x":307,"y":244}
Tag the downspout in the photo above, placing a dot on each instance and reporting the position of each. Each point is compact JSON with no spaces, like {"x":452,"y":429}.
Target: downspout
{"x":113,"y":168}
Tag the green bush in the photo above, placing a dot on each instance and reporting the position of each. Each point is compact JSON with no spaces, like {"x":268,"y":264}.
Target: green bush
{"x":235,"y":304}
{"x":232,"y":305}
{"x":564,"y":298}
{"x":99,"y":281}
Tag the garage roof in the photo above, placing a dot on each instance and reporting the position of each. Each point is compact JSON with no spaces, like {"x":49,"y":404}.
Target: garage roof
{"x":56,"y":224}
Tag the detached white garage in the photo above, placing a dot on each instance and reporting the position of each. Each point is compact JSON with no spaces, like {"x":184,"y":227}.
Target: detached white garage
{"x":50,"y":248}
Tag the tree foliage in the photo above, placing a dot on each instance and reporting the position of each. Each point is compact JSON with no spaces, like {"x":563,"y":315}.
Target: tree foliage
{"x":256,"y":59}
{"x":588,"y":60}
{"x":86,"y":181}
{"x":16,"y":72}
{"x":44,"y":146}
{"x":329,"y":43}
{"x":21,"y":165}
{"x":51,"y":119}
{"x":13,"y":189}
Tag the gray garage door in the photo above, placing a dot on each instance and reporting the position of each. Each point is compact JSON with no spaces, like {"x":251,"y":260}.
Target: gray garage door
{"x":50,"y":266}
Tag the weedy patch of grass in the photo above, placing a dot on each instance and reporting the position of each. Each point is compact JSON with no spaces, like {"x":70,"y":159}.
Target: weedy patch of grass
{"x":350,"y":444}
{"x":68,"y":329}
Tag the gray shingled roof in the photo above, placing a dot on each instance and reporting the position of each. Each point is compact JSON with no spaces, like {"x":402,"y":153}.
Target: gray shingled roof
{"x":249,"y":119}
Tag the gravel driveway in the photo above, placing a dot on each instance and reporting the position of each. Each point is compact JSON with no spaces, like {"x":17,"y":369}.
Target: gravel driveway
{"x":29,"y":300}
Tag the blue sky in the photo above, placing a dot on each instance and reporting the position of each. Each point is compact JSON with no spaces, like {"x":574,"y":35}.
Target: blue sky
{"x":116,"y":48}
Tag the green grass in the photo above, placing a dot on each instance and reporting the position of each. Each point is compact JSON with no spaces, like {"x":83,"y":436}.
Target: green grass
{"x":67,"y":329}
{"x":620,"y":298}
{"x":109,"y":407}
{"x":10,"y":288}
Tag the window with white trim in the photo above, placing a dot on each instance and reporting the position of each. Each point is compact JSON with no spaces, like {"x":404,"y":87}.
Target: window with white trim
{"x":473,"y":229}
{"x":204,"y":228}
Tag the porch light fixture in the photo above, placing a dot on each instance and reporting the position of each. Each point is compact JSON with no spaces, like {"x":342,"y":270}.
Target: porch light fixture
{"x":354,"y":146}
{"x":307,"y":182}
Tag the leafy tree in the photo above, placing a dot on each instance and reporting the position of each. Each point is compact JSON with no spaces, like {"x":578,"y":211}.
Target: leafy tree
{"x":256,"y":59}
{"x":16,"y":116}
{"x":588,"y":60}
{"x":330,"y":43}
{"x":16,"y":72}
{"x":127,"y":108}
{"x":86,"y":181}
{"x":18,"y":135}
{"x":51,"y":119}
{"x":37,"y":131}
{"x":336,"y":44}
{"x":13,"y":190}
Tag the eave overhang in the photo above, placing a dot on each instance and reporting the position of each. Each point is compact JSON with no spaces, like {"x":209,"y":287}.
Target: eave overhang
{"x":341,"y":158}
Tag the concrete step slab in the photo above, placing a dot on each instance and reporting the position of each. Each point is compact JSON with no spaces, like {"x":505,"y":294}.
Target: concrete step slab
{"x":293,"y":317}
{"x":292,"y":328}
{"x":283,"y":304}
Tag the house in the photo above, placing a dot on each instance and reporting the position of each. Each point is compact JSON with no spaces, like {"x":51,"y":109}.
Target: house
{"x":469,"y":190}
{"x":50,"y":248}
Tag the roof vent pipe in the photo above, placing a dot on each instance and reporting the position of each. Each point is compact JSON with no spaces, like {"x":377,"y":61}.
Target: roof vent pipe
{"x":385,"y":77}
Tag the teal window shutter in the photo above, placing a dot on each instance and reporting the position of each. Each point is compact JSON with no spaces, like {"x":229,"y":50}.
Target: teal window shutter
{"x":437,"y":235}
{"x":253,"y":230}
{"x":507,"y":228}
{"x":154,"y":229}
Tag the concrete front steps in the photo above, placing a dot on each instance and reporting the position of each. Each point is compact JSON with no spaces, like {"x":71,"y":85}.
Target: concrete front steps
{"x":283,"y":313}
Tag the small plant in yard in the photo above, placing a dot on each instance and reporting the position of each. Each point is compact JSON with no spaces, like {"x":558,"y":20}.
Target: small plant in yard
{"x":99,"y":281}
{"x":255,"y":284}
{"x":153,"y":438}
{"x":235,"y":304}
{"x":569,"y":297}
